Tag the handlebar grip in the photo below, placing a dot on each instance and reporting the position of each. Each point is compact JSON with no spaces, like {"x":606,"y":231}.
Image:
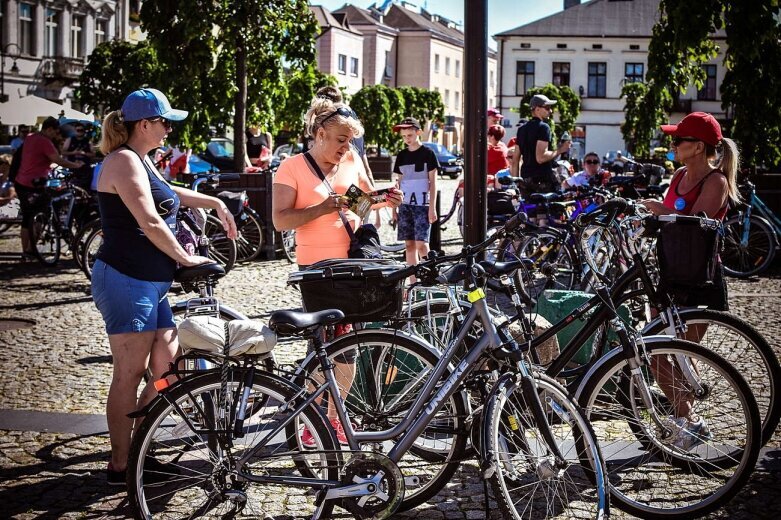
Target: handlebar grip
{"x":515,"y":222}
{"x":612,"y":207}
{"x":228,"y":177}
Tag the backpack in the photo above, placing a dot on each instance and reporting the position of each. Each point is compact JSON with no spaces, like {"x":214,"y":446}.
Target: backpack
{"x":16,"y":164}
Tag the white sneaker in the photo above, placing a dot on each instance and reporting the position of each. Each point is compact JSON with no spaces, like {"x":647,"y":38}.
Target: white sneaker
{"x":688,"y":434}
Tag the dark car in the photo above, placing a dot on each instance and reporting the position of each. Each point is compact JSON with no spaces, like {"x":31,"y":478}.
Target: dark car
{"x":449,"y":164}
{"x":219,"y":152}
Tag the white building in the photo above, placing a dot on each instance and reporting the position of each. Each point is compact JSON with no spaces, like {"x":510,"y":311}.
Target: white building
{"x":594,"y":48}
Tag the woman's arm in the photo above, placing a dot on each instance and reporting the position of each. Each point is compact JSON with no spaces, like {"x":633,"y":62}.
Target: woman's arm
{"x":123,"y":175}
{"x":713,"y":196}
{"x":286,"y":216}
{"x":193,"y":199}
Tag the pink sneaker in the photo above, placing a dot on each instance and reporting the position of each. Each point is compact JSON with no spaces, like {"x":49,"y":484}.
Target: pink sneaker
{"x":307,"y":439}
{"x":340,"y":436}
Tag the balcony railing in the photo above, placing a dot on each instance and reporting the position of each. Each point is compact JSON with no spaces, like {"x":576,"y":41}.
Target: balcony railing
{"x":61,"y":68}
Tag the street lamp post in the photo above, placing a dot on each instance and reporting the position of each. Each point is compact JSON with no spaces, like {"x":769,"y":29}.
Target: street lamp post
{"x":14,"y":68}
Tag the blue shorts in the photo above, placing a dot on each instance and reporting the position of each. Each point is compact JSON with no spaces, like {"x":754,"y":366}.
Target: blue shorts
{"x":128,"y":304}
{"x":413,"y":223}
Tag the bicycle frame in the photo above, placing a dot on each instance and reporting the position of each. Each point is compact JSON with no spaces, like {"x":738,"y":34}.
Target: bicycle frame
{"x":763,"y":211}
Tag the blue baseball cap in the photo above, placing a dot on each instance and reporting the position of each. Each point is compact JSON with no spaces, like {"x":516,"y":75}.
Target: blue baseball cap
{"x":149,"y":102}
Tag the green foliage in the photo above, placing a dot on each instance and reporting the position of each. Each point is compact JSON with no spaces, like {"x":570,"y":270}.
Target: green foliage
{"x":223,"y":59}
{"x":682,"y":43}
{"x":373,"y":109}
{"x":567,"y":106}
{"x":115,"y":69}
{"x":643,"y":113}
{"x":301,"y":88}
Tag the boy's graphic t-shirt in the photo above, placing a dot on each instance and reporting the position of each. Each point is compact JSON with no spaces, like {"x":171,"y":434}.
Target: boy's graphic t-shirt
{"x":413,"y":168}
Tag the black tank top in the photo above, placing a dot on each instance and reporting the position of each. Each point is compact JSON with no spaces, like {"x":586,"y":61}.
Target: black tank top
{"x":125,"y":246}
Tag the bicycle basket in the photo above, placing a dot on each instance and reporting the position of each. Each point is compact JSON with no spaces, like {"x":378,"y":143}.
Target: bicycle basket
{"x":688,"y":254}
{"x":357,"y":287}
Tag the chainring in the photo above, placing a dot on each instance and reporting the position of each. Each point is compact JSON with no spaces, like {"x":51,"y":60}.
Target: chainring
{"x":364,"y":467}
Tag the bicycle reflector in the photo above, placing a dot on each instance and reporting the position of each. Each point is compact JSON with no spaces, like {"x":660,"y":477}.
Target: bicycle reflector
{"x":162,"y":384}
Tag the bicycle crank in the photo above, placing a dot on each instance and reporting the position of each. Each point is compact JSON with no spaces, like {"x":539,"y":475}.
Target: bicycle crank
{"x":384,"y":483}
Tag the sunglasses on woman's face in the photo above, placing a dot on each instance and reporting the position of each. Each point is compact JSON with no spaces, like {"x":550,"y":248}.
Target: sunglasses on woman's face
{"x":341,"y":111}
{"x":678,"y":140}
{"x":165,"y":122}
{"x":592,"y":162}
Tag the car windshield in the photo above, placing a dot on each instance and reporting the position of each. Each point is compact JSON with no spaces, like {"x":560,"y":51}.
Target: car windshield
{"x":221,"y":148}
{"x":438,"y":148}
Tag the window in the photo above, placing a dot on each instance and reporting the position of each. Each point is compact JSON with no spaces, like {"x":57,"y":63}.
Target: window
{"x":457,"y":95}
{"x":436,"y":63}
{"x":447,"y":66}
{"x":634,"y":47}
{"x":458,"y":68}
{"x":101,"y":28}
{"x":596,"y":46}
{"x":52,"y":33}
{"x":561,"y":74}
{"x":447,"y":98}
{"x":77,"y":41}
{"x":526,"y":46}
{"x":634,"y":72}
{"x":25,"y":28}
{"x":561,"y":45}
{"x":524,"y":76}
{"x":342,"y":64}
{"x":354,"y":67}
{"x":597,"y":79}
{"x":708,"y":91}
{"x":492,"y":80}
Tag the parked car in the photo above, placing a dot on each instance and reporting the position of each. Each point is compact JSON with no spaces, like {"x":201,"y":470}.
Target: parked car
{"x":449,"y":164}
{"x":219,"y":152}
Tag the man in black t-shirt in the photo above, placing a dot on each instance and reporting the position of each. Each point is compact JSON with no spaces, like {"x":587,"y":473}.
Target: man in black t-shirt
{"x":531,"y":148}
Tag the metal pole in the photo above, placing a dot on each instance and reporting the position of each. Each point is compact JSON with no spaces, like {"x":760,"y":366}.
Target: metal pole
{"x":476,"y":87}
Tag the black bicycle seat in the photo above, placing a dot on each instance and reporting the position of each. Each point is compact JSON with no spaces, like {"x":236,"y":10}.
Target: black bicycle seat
{"x":544,"y":198}
{"x":287,"y":323}
{"x":196,"y":272}
{"x":500,"y":268}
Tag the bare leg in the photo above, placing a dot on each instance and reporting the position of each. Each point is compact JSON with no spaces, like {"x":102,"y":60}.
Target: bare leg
{"x":24,"y":234}
{"x":422,"y":248}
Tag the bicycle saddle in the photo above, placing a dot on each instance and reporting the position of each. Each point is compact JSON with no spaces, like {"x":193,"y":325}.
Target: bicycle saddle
{"x":191,"y":274}
{"x":287,"y":323}
{"x":544,"y":198}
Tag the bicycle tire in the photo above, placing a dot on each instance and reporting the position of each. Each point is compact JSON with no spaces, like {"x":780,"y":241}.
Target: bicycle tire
{"x":45,"y":238}
{"x":249,"y":243}
{"x":77,"y":245}
{"x":746,"y":350}
{"x":194,"y":464}
{"x":221,"y":249}
{"x":743,"y":261}
{"x":649,"y":477}
{"x":522,"y":460}
{"x":90,"y":250}
{"x":390,"y":368}
{"x":289,"y":244}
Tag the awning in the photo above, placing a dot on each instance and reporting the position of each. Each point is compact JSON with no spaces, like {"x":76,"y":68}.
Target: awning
{"x":30,"y":110}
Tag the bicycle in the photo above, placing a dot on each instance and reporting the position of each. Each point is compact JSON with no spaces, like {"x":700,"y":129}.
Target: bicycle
{"x":750,"y":236}
{"x":183,"y":428}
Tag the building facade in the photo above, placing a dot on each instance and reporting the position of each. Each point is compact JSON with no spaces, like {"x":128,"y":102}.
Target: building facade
{"x":46,"y":43}
{"x":594,"y":48}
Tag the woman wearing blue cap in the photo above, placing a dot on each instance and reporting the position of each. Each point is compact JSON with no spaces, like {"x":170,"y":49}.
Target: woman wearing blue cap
{"x":136,"y":263}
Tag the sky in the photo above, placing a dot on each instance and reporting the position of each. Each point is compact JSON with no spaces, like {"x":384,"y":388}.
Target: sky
{"x":503,"y":15}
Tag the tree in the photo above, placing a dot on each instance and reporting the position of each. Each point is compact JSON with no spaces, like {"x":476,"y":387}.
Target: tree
{"x":642,"y":112}
{"x":567,"y":105}
{"x":301,"y":88}
{"x":750,"y":92}
{"x":115,"y":69}
{"x":223,"y":60}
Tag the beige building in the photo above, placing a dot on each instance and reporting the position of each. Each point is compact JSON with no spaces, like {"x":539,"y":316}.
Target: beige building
{"x":45,"y":44}
{"x":340,"y":49}
{"x":405,"y":45}
{"x":594,"y":48}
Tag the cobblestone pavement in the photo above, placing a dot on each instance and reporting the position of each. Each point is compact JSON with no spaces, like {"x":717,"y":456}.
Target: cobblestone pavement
{"x":62,"y":364}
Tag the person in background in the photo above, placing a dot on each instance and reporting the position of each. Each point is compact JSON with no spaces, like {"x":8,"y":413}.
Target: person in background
{"x":493,"y":117}
{"x":531,"y":156}
{"x":38,"y":154}
{"x":259,"y":147}
{"x":78,"y":147}
{"x":17,"y":141}
{"x":497,"y":156}
{"x":591,"y":173}
{"x":7,"y":191}
{"x":706,"y":184}
{"x":416,"y":167}
{"x":136,"y":263}
{"x":311,"y":205}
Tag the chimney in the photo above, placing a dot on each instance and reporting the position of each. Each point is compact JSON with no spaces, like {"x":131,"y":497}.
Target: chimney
{"x":570,"y":3}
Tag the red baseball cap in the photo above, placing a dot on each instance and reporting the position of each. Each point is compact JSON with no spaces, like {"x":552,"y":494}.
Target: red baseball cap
{"x":492,"y":112}
{"x":697,"y":124}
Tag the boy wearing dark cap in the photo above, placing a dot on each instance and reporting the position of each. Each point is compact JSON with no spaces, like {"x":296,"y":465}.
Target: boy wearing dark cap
{"x":416,"y":167}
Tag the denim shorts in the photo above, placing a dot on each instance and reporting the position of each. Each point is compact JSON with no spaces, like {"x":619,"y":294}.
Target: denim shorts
{"x":128,"y":304}
{"x":413,"y":223}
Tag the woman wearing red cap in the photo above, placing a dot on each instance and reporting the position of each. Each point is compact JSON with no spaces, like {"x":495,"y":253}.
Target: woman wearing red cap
{"x":705,"y":184}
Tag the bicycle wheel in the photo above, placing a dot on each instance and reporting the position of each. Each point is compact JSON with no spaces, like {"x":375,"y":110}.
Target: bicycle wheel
{"x":221,"y":249}
{"x":389,"y":371}
{"x":745,"y":349}
{"x":670,"y":472}
{"x":90,"y":251}
{"x":45,"y":238}
{"x":289,"y":245}
{"x":756,"y":255}
{"x":554,"y":262}
{"x":184,"y":458}
{"x":526,"y":482}
{"x":249,"y":243}
{"x":80,"y":238}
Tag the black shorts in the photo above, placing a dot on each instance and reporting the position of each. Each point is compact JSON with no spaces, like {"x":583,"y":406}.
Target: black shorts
{"x":31,"y":201}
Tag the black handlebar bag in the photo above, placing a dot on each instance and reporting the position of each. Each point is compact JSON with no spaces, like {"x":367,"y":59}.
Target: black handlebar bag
{"x":688,"y":254}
